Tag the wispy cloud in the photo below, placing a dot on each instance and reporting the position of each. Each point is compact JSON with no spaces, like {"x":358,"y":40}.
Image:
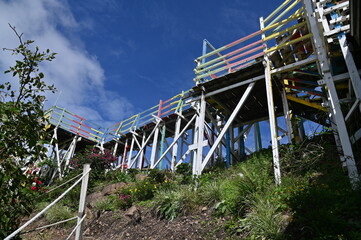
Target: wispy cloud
{"x":76,"y":73}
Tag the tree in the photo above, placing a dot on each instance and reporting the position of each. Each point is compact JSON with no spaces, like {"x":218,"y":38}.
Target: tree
{"x":22,"y":133}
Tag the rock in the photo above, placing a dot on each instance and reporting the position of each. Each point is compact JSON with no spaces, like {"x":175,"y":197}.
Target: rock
{"x":89,"y":214}
{"x":113,"y":188}
{"x":91,"y":199}
{"x":133,"y":215}
{"x":141,"y":176}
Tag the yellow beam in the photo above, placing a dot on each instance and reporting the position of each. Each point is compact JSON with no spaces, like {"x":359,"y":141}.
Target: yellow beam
{"x":277,"y":34}
{"x":304,"y":102}
{"x":289,"y":43}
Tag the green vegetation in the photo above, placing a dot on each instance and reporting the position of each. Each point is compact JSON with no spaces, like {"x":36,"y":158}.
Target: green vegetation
{"x":314,"y":201}
{"x":22,"y":133}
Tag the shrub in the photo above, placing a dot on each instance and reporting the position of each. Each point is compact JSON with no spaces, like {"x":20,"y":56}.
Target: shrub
{"x":156,"y":176}
{"x":210,"y":194}
{"x":185,"y":171}
{"x":117,"y":175}
{"x":172,"y":203}
{"x":98,"y":161}
{"x":125,"y":201}
{"x":143,"y":190}
{"x":57,"y":213}
{"x":263,"y":220}
{"x":132,"y":172}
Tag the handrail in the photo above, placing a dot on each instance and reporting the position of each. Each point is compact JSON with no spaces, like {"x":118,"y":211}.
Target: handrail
{"x":71,"y":122}
{"x":246,"y":50}
{"x":165,"y":108}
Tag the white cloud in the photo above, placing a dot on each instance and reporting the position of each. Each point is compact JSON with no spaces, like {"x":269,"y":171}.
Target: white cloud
{"x":77,"y":75}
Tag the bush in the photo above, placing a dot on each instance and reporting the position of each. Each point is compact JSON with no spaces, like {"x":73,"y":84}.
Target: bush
{"x":210,"y":194}
{"x":99,"y":162}
{"x":117,"y":175}
{"x":132,"y":172}
{"x":263,"y":220}
{"x":143,"y":190}
{"x":172,"y":203}
{"x":185,"y":171}
{"x":57,"y":213}
{"x":156,"y":176}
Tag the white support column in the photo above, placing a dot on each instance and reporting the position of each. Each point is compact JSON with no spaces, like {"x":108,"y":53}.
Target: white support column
{"x":175,"y":146}
{"x":233,"y":157}
{"x":131,"y":150}
{"x":57,"y":153}
{"x":332,"y":94}
{"x":154,"y":146}
{"x":220,"y":147}
{"x":115,"y":147}
{"x":124,"y":158}
{"x":142,"y":150}
{"x":272,"y":116}
{"x":200,"y":133}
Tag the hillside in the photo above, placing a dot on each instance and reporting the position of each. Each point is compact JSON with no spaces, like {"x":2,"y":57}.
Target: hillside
{"x":314,"y":201}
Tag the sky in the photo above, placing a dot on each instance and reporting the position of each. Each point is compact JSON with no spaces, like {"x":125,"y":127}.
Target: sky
{"x":118,"y":58}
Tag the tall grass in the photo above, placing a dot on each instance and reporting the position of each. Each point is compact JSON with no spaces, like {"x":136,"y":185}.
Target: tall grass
{"x":172,"y":203}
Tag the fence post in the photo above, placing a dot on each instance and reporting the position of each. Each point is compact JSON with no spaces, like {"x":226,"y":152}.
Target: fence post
{"x":84,"y":187}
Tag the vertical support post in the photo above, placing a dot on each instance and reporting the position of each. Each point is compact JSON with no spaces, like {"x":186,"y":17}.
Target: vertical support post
{"x":141,"y":156}
{"x":115,"y":147}
{"x":175,"y":147}
{"x":228,"y":147}
{"x":272,"y":116}
{"x":301,"y":129}
{"x":200,"y":135}
{"x":57,"y":153}
{"x":336,"y":111}
{"x":219,"y":149}
{"x":204,"y":50}
{"x":257,"y":137}
{"x":131,"y":149}
{"x":124,"y":155}
{"x":193,"y":154}
{"x":241,"y":143}
{"x":83,"y":190}
{"x":154,"y":147}
{"x":162,"y":141}
{"x":233,"y":156}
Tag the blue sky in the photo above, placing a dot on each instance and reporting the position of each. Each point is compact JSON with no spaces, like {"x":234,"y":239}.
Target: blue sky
{"x":117,"y":58}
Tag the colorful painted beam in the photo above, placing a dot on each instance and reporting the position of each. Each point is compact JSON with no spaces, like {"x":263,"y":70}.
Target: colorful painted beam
{"x":307,"y":103}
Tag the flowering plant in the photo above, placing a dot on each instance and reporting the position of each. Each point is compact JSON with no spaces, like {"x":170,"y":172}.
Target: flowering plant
{"x":97,"y":159}
{"x":125,"y":201}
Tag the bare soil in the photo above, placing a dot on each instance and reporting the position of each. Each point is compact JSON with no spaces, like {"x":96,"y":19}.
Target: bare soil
{"x":140,"y":223}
